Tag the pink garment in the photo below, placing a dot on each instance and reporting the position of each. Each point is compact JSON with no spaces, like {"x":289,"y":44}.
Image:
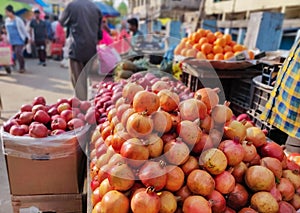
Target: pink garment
{"x":122,"y":45}
{"x":106,"y":38}
{"x":60,"y":35}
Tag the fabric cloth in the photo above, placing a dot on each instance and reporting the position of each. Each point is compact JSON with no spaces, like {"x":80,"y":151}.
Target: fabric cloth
{"x":83,"y":18}
{"x":18,"y":50}
{"x":20,"y":27}
{"x":15,"y":38}
{"x":283,"y":108}
{"x":78,"y":79}
{"x":39,"y":30}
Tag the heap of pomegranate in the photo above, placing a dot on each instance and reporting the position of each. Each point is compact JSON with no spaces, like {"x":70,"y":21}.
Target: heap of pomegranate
{"x":159,"y":152}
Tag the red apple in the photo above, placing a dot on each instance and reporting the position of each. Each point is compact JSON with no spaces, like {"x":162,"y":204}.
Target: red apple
{"x":85,"y":105}
{"x":26,"y":108}
{"x":39,"y":100}
{"x":38,"y":130}
{"x":62,"y":100}
{"x":75,"y":123}
{"x":8,"y":124}
{"x":26,"y":128}
{"x":17,"y":115}
{"x":17,"y":130}
{"x":74,"y":102}
{"x":53,"y":117}
{"x":57,"y":132}
{"x":41,"y":116}
{"x":63,"y":106}
{"x":37,"y":107}
{"x":76,"y":111}
{"x":52,"y":111}
{"x":58,"y":123}
{"x":81,"y":116}
{"x":25,"y":117}
{"x":67,"y":114}
{"x":92,"y":115}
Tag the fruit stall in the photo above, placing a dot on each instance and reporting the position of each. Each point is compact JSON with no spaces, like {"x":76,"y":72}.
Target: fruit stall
{"x":148,"y":141}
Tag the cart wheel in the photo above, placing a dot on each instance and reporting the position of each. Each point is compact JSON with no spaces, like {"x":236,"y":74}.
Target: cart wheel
{"x":8,"y":70}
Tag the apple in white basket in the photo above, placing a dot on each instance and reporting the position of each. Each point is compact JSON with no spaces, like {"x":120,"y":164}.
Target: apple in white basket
{"x":8,"y":124}
{"x":26,"y":128}
{"x":61,"y":101}
{"x":39,"y":100}
{"x":63,"y":106}
{"x":76,"y":111}
{"x":74,"y":102}
{"x":85,"y":105}
{"x":17,"y":130}
{"x":41,"y":116}
{"x":37,"y":107}
{"x":67,"y":114}
{"x":57,"y":132}
{"x":38,"y":130}
{"x":75,"y":123}
{"x":26,"y":117}
{"x":53,"y":117}
{"x":81,"y":116}
{"x":58,"y":123}
{"x":26,"y":108}
{"x":52,"y":111}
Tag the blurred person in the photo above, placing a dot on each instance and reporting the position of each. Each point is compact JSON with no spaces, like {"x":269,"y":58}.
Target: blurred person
{"x":50,"y":32}
{"x":137,"y":36}
{"x":4,"y":42}
{"x":54,"y":23}
{"x":106,"y":34}
{"x":282,"y":109}
{"x":38,"y":29}
{"x":17,"y":35}
{"x":83,"y":18}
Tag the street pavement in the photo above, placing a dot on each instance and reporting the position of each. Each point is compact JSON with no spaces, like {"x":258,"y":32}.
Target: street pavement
{"x":16,"y":89}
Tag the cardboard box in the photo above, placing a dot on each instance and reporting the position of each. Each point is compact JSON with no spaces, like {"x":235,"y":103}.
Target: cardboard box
{"x":63,"y":203}
{"x":51,"y":170}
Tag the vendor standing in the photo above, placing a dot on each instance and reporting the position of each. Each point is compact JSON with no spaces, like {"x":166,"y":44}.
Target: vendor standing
{"x":283,"y":108}
{"x":136,"y":36}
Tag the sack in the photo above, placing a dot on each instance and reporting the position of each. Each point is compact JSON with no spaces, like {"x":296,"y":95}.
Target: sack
{"x":108,"y":59}
{"x":6,"y":55}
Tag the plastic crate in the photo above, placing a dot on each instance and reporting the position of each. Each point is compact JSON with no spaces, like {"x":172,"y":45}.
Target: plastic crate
{"x":269,"y":73}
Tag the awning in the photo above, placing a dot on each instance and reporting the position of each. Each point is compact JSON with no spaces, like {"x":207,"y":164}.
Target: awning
{"x":106,"y":9}
{"x":16,"y":5}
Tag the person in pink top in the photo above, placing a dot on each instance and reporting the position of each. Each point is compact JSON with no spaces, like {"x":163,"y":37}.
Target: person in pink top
{"x":60,"y":35}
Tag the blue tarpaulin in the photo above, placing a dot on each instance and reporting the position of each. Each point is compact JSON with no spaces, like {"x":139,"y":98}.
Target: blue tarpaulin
{"x":106,"y":9}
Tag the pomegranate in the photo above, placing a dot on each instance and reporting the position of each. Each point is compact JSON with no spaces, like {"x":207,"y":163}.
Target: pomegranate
{"x":192,"y":109}
{"x":204,"y":144}
{"x":235,"y":130}
{"x":286,"y":189}
{"x":121,"y":110}
{"x":114,"y":202}
{"x":116,"y":159}
{"x":159,"y":85}
{"x":145,"y":201}
{"x":229,"y":210}
{"x":233,"y":150}
{"x":209,"y":96}
{"x":126,"y":114}
{"x":207,"y":183}
{"x":217,"y":201}
{"x":168,"y":100}
{"x":121,"y":177}
{"x":168,"y":202}
{"x":238,"y":198}
{"x":145,"y":101}
{"x":162,"y":121}
{"x":207,"y":123}
{"x":250,"y":151}
{"x":153,"y":174}
{"x":296,"y":201}
{"x":291,"y":165}
{"x":276,"y":193}
{"x":256,"y":136}
{"x":139,"y":125}
{"x":285,"y":207}
{"x":104,"y":188}
{"x":224,"y":182}
{"x":189,"y":132}
{"x":255,"y":161}
{"x":271,"y":149}
{"x":196,"y":204}
{"x":216,"y":136}
{"x":247,"y":210}
{"x":259,"y":178}
{"x":221,"y":114}
{"x":184,"y":192}
{"x":129,"y":91}
{"x":213,"y":160}
{"x":118,"y":139}
{"x":155,"y":145}
{"x":190,"y":165}
{"x":273,"y":164}
{"x":239,"y":171}
{"x":294,"y":177}
{"x":176,"y":152}
{"x":175,"y":178}
{"x":264,"y":202}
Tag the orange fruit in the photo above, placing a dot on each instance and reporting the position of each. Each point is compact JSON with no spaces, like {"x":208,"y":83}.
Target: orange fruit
{"x":196,"y":37}
{"x":219,"y":56}
{"x":228,"y":55}
{"x":228,"y":38}
{"x":238,"y":48}
{"x":210,"y":56}
{"x":217,"y":49}
{"x":197,"y":46}
{"x":221,"y":42}
{"x":232,"y":43}
{"x":203,"y":40}
{"x":183,"y":51}
{"x":206,"y":48}
{"x":189,"y":44}
{"x":177,"y":50}
{"x":200,"y":55}
{"x":251,"y":54}
{"x":183,"y":40}
{"x":218,"y":34}
{"x":191,"y":52}
{"x":202,"y":32}
{"x":207,"y":31}
{"x":211,"y":37}
{"x":227,"y":48}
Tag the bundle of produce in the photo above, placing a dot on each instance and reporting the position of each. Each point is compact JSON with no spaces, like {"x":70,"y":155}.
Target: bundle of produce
{"x":159,"y":152}
{"x":204,"y":44}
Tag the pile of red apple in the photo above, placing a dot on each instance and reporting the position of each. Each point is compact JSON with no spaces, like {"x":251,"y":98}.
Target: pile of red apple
{"x":159,"y":152}
{"x":40,"y":120}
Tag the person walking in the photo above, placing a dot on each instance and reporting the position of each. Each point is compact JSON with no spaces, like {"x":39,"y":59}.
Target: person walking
{"x":17,"y":35}
{"x":83,"y":19}
{"x":38,"y":29}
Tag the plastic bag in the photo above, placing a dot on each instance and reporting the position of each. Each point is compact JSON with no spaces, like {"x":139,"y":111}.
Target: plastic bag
{"x":108,"y":59}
